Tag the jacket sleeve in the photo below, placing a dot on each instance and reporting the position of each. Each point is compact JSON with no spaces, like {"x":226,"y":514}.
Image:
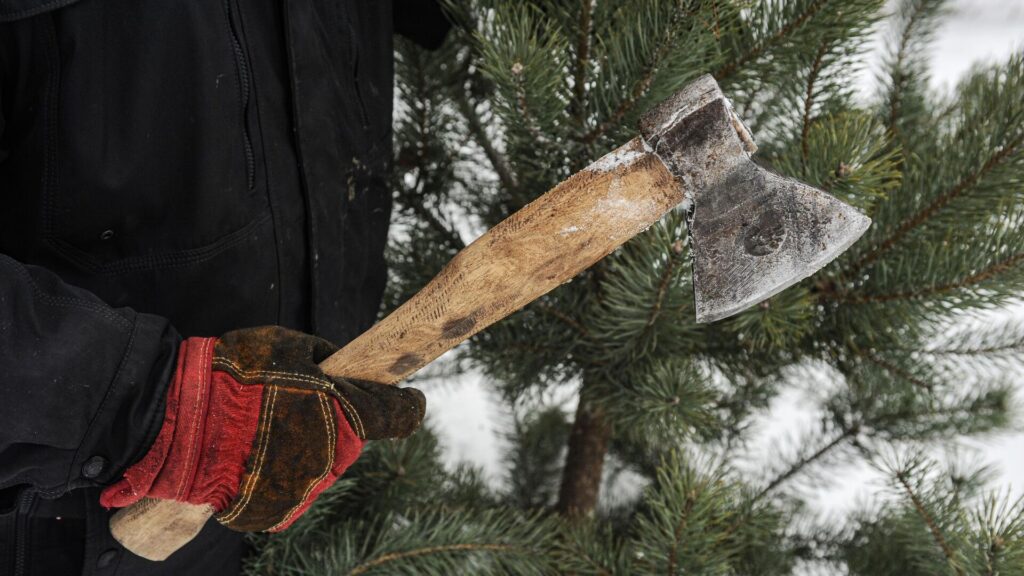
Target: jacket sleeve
{"x":82,"y":384}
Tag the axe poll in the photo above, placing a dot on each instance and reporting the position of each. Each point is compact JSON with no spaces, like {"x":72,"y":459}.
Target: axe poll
{"x":753,"y":233}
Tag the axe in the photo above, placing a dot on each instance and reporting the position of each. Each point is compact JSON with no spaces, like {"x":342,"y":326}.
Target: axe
{"x":753,"y":234}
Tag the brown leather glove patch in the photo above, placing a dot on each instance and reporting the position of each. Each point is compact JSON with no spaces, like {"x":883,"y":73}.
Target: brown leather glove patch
{"x":293,"y":452}
{"x":299,"y":443}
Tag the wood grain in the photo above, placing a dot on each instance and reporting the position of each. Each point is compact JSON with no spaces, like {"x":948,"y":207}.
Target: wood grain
{"x":155,"y":529}
{"x":530,"y":253}
{"x":527,"y":255}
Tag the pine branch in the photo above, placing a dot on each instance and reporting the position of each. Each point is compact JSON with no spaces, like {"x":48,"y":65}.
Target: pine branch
{"x":988,"y":273}
{"x":536,"y":449}
{"x":582,"y":62}
{"x":424,"y":149}
{"x":659,"y":401}
{"x":812,"y":76}
{"x":591,"y":548}
{"x":640,"y":88}
{"x":599,"y":569}
{"x":935,"y":532}
{"x":914,"y":30}
{"x":896,"y":371}
{"x":929,"y":521}
{"x":981,"y":351}
{"x":564,"y":318}
{"x":936,"y":205}
{"x":803,"y":462}
{"x":476,"y":128}
{"x":524,"y":110}
{"x":899,"y":76}
{"x":523,"y":53}
{"x":659,"y":299}
{"x":1001,"y":525}
{"x":678,"y":534}
{"x":438,"y":540}
{"x":688,"y":524}
{"x":429,"y":550}
{"x":643,"y":296}
{"x":723,"y":73}
{"x":450,"y":237}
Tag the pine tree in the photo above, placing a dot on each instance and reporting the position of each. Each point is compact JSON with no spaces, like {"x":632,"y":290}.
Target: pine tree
{"x":525,"y":93}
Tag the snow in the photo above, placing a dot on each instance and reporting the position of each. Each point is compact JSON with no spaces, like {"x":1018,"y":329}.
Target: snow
{"x":622,"y":156}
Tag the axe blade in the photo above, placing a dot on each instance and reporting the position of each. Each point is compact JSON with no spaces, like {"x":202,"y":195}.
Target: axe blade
{"x":781,"y":233}
{"x":753,"y":233}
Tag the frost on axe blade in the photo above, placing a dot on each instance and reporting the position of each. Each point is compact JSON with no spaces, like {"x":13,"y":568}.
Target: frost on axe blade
{"x":753,"y":233}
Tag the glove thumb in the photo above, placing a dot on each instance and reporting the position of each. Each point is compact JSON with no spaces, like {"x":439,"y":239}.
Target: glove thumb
{"x":378,"y":411}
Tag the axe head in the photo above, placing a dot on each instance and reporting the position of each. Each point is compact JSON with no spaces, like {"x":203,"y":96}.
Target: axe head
{"x":753,"y":233}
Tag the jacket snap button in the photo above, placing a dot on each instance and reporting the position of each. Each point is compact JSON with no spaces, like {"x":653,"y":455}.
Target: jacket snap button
{"x":94,"y":466}
{"x":106,"y":559}
{"x":106,"y":235}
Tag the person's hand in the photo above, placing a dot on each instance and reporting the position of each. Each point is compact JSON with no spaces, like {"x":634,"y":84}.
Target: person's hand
{"x":254,"y":428}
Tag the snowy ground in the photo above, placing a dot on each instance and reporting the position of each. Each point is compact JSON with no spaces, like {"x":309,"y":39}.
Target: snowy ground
{"x":471,"y":421}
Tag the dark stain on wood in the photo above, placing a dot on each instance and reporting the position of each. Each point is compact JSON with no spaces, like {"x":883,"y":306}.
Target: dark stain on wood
{"x":458,"y":327}
{"x":405,"y":363}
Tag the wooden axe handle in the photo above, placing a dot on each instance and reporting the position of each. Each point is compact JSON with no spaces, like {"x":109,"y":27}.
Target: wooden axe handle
{"x":528,"y":254}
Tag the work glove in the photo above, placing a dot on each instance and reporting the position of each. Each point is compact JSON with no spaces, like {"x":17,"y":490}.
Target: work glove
{"x":255,"y":429}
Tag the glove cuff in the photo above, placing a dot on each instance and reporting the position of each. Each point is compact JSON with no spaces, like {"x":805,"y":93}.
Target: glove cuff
{"x":252,"y":431}
{"x":181,"y":432}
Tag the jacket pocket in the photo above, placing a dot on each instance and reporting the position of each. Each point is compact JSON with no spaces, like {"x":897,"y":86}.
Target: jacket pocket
{"x":150,"y":162}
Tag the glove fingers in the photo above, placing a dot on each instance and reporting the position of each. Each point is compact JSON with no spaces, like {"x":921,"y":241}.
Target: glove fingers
{"x":279,"y":356}
{"x":272,"y":355}
{"x":319,"y":348}
{"x":378,"y":411}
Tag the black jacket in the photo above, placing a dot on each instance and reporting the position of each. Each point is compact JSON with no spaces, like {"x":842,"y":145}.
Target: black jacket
{"x":171,"y":168}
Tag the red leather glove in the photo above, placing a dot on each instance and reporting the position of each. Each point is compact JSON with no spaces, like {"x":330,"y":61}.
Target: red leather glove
{"x":254,"y":428}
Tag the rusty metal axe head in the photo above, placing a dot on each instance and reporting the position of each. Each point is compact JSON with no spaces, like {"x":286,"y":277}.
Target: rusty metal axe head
{"x":753,"y":233}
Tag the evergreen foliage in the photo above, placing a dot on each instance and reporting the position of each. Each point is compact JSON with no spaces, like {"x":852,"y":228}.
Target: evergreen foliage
{"x":942,"y":524}
{"x":524,"y":93}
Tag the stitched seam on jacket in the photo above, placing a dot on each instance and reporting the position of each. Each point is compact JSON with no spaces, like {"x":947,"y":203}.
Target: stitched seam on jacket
{"x":111,"y":388}
{"x":66,"y":301}
{"x":159,"y":261}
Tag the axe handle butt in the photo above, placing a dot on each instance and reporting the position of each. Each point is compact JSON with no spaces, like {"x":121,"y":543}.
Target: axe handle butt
{"x":541,"y":246}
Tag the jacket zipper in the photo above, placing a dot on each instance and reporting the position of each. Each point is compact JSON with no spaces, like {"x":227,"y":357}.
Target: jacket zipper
{"x":21,"y":531}
{"x":244,"y":81}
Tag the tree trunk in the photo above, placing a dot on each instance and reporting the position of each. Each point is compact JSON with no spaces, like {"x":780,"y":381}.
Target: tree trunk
{"x":581,"y":477}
